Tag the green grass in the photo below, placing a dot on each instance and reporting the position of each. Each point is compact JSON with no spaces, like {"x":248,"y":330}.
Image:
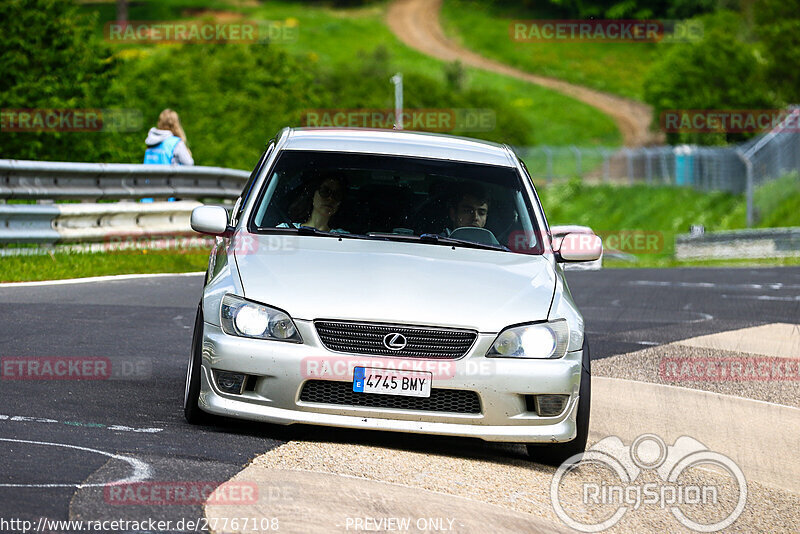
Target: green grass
{"x":344,"y":37}
{"x":78,"y":265}
{"x":778,"y":202}
{"x":662,"y":263}
{"x":613,"y":211}
{"x":617,"y":68}
{"x":641,"y":207}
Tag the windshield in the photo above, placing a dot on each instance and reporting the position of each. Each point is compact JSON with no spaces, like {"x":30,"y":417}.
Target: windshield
{"x":397,"y":198}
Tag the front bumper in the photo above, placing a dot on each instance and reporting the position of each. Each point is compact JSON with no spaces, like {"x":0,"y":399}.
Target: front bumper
{"x":281,"y":369}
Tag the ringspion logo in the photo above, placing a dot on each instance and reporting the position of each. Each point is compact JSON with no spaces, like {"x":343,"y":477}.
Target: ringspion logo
{"x":613,"y":480}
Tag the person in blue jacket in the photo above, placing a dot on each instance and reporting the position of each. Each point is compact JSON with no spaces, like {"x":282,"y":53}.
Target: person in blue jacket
{"x":166,"y":143}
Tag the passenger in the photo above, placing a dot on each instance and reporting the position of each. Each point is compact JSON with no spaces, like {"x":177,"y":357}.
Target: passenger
{"x":318,"y":203}
{"x":468,"y":208}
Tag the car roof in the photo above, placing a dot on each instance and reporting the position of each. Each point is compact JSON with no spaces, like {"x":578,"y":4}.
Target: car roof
{"x":399,"y":143}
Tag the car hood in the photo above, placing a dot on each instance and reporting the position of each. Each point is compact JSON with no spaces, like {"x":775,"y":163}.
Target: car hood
{"x":313,"y":277}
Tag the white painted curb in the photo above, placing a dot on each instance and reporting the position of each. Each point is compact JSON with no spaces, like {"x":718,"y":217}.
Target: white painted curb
{"x":108,"y":278}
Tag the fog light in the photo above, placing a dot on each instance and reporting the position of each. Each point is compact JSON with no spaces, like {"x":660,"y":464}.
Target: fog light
{"x":230,"y":382}
{"x":550,"y":405}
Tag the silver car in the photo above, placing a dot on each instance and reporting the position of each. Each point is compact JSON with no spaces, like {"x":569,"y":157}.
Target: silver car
{"x":392,"y":280}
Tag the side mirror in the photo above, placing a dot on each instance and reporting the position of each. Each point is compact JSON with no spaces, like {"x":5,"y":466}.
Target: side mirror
{"x":579,"y":247}
{"x":211,"y":220}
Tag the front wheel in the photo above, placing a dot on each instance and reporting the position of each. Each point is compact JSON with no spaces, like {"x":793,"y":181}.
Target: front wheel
{"x":556,"y":453}
{"x":191,"y":392}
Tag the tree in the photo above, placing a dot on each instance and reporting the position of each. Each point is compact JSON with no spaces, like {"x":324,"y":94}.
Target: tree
{"x":719,"y":72}
{"x":778,"y":26}
{"x":51,"y":60}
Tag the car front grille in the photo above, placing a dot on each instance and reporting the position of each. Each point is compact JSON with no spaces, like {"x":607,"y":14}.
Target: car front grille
{"x":421,"y":342}
{"x":341,"y":393}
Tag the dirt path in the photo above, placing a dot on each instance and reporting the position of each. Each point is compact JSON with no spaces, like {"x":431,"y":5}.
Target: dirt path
{"x":416,"y":23}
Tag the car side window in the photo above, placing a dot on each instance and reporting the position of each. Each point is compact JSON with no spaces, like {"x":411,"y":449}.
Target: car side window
{"x":248,"y":187}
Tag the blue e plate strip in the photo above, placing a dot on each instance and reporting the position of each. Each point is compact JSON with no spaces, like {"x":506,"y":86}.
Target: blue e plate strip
{"x":358,"y":379}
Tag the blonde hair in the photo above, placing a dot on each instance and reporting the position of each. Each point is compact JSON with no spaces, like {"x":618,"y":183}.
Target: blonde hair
{"x":168,"y":120}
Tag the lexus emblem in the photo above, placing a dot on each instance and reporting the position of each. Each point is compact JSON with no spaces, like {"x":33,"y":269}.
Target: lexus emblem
{"x":394,"y":341}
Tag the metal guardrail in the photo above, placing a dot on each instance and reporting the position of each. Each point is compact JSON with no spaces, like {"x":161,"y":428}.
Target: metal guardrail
{"x":751,"y":243}
{"x":73,"y":223}
{"x":52,"y":180}
{"x":28,"y":223}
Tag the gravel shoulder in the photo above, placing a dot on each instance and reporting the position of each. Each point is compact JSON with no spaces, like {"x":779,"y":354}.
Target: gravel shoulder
{"x":667,"y":364}
{"x":503,"y":477}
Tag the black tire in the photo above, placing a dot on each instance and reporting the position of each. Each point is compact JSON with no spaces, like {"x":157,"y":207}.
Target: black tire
{"x":556,"y":453}
{"x":191,"y":393}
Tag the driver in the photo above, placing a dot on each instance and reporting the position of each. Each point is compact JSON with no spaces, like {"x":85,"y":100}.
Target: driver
{"x":468,"y":207}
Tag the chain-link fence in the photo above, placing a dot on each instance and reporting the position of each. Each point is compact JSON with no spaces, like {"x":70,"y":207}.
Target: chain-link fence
{"x":706,"y":168}
{"x":771,"y":155}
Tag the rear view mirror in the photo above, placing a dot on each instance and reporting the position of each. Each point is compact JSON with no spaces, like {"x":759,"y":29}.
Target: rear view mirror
{"x":579,"y":247}
{"x":211,"y":220}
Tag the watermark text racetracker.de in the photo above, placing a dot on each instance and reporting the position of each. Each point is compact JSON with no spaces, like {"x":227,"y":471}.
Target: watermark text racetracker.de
{"x":429,"y":120}
{"x":729,"y":121}
{"x":605,"y":31}
{"x":729,"y":369}
{"x":191,"y":492}
{"x":703,"y":490}
{"x":75,"y":368}
{"x":627,"y":241}
{"x":191,"y":243}
{"x":70,"y":120}
{"x":151,"y":31}
{"x":342,"y":367}
{"x":202,"y":524}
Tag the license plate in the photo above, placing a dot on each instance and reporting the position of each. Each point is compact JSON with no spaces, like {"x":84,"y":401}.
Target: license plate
{"x":392,"y":382}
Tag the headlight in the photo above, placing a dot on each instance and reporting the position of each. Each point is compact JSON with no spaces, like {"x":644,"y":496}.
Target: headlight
{"x":541,"y":340}
{"x":240,"y":317}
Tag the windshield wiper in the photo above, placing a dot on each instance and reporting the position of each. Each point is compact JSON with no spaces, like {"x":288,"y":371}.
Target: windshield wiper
{"x":310,"y":230}
{"x":437,"y":239}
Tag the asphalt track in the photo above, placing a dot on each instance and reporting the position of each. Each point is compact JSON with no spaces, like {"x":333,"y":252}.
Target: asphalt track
{"x":136,"y":420}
